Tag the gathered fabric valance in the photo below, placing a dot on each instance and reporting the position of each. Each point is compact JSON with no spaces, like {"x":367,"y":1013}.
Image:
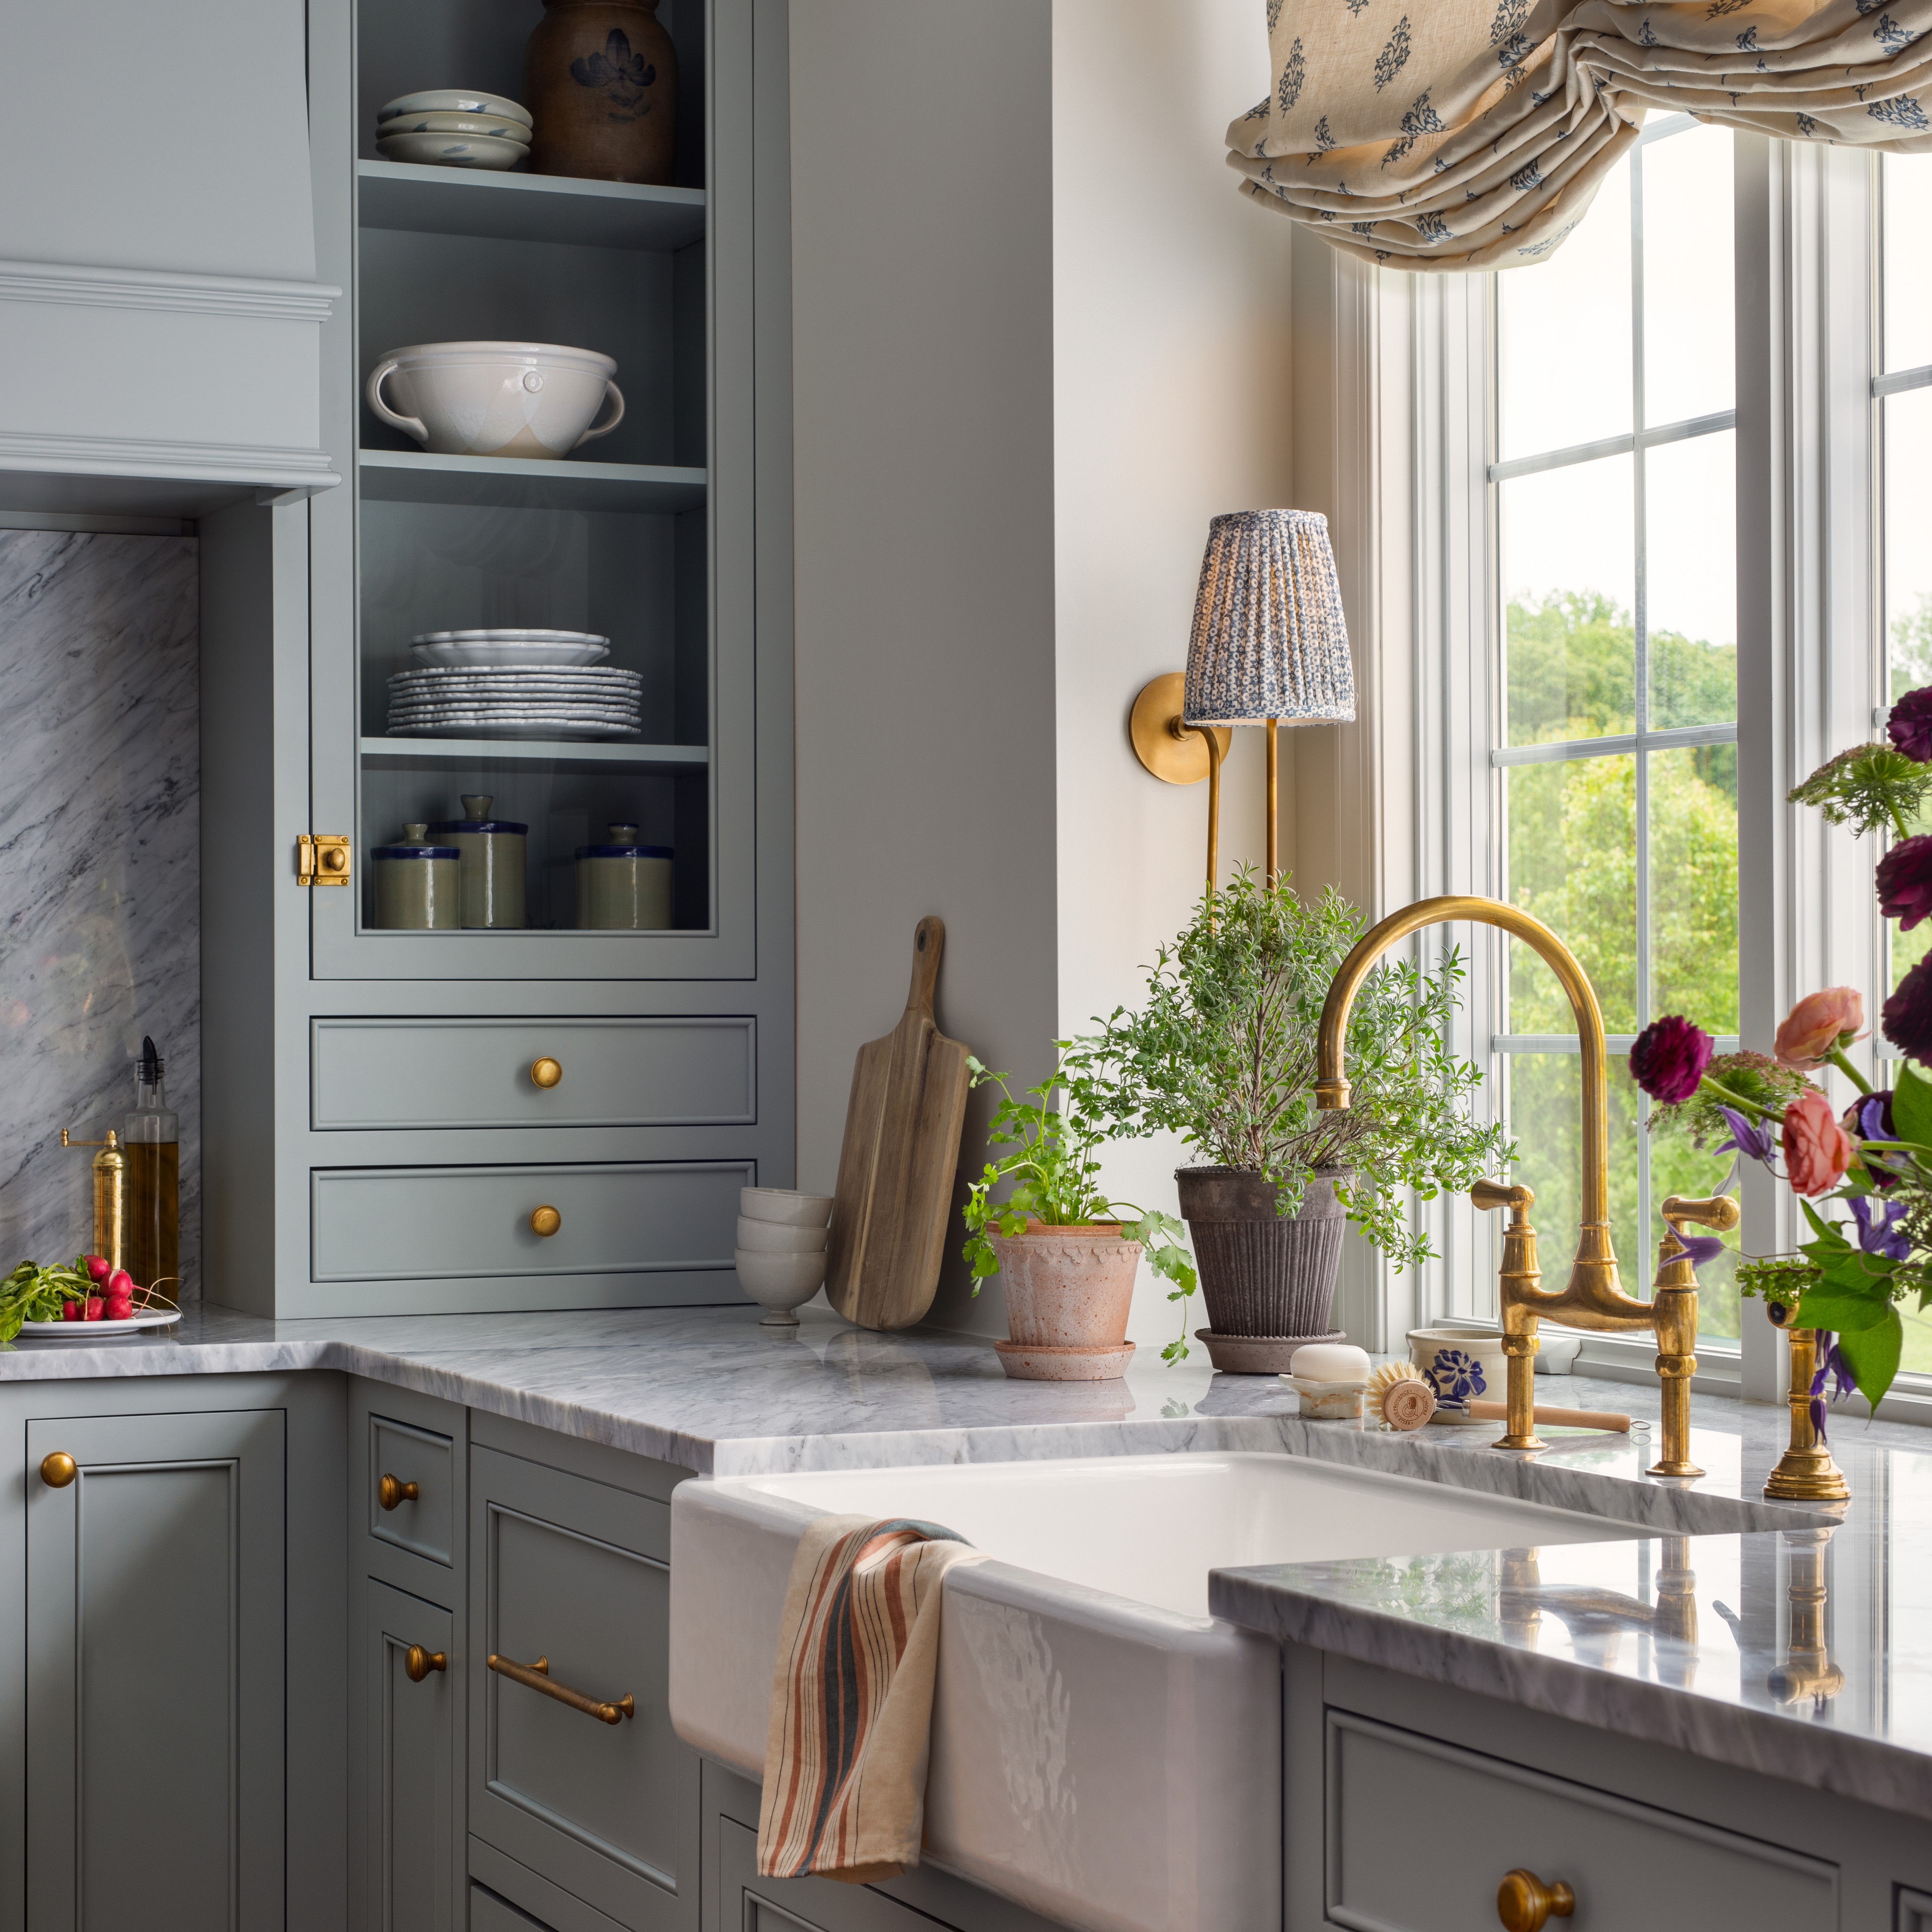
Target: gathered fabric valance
{"x":1458,"y":134}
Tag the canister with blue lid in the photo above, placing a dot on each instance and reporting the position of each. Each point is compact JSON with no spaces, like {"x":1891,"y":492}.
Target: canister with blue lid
{"x":623,"y":885}
{"x":416,"y":883}
{"x":492,"y":851}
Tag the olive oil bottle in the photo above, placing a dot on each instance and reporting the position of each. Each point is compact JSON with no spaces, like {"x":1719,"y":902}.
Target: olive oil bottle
{"x":153,"y":1141}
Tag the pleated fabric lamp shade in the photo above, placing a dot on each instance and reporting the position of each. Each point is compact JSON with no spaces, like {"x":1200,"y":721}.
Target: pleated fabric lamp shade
{"x":1269,"y":641}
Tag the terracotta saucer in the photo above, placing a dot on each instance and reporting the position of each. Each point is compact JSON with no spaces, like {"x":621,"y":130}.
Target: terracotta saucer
{"x":1026,"y":1363}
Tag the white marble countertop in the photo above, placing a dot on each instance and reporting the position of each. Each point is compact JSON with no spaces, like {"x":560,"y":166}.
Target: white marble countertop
{"x":1574,"y":1631}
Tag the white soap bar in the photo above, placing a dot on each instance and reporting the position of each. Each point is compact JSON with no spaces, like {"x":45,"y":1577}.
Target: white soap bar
{"x":1330,"y":1362}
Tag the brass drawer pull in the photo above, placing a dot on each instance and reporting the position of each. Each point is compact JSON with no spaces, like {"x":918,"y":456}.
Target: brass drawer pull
{"x":419,"y":1662}
{"x":390,"y":1493}
{"x":545,"y":1221}
{"x":58,"y":1470}
{"x":537,"y":1677}
{"x":545,"y":1072}
{"x":1525,"y":1903}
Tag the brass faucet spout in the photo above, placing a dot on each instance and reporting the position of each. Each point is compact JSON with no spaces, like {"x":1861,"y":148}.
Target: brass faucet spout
{"x":1593,"y":1297}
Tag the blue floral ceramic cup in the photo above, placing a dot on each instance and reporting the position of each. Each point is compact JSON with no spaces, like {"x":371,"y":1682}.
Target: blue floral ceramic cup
{"x":1462,"y":1364}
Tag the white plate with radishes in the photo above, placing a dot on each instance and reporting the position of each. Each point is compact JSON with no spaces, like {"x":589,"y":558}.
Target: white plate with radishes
{"x":148,"y":1318}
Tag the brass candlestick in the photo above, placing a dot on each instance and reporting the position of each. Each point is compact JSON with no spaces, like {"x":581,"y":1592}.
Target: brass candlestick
{"x":1805,"y":1472}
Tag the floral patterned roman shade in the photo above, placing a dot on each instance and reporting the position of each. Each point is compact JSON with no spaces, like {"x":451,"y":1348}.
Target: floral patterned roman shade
{"x":1458,"y":134}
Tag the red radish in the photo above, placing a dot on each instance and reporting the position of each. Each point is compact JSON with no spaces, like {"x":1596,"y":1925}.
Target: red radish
{"x":120,"y":1285}
{"x":118,"y":1311}
{"x":70,"y":1311}
{"x":94,"y":1307}
{"x":97,"y":1266}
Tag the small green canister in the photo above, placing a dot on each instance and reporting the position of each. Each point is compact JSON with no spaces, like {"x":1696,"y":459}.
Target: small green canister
{"x":622,"y":886}
{"x":493,"y":863}
{"x":416,"y":884}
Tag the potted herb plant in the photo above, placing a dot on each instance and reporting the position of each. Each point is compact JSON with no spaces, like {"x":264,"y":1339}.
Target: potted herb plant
{"x":1223,"y":1054}
{"x":1067,"y":1253}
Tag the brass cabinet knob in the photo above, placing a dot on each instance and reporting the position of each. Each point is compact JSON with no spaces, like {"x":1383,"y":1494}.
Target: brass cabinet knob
{"x":419,"y":1662}
{"x":545,"y":1221}
{"x":1525,"y":1903}
{"x":545,"y":1072}
{"x":390,"y":1493}
{"x":58,"y":1470}
{"x":334,"y":859}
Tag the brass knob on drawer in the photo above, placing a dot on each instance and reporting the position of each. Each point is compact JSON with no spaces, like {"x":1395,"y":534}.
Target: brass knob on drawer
{"x":58,"y":1470}
{"x":545,"y":1072}
{"x":419,"y":1662}
{"x":1525,"y":1903}
{"x":545,"y":1221}
{"x":390,"y":1493}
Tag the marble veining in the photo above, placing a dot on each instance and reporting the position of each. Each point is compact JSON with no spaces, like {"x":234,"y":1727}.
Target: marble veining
{"x":1576,"y":1630}
{"x":99,"y":893}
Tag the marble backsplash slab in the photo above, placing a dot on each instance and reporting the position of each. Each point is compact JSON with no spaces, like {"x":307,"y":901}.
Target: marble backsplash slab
{"x":100,"y":878}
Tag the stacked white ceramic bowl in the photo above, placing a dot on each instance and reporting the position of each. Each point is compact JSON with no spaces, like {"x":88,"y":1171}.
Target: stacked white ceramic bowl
{"x":513,"y":684}
{"x":453,"y":127}
{"x":781,"y":1254}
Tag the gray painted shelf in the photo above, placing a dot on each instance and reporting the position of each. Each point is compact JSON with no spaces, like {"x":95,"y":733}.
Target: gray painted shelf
{"x":656,"y":758}
{"x":527,"y":207}
{"x":502,"y":482}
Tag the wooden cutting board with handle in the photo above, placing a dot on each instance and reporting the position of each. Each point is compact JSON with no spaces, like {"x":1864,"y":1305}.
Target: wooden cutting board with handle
{"x":894,"y":1201}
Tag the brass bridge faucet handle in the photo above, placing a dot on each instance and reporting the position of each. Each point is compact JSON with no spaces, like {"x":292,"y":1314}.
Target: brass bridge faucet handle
{"x":1674,"y":1297}
{"x":1518,"y":1282}
{"x":1524,"y":1903}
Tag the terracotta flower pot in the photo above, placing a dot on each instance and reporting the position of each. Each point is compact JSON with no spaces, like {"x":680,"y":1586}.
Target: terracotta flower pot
{"x":600,"y":79}
{"x":1068,"y":1293}
{"x":1264,"y":1276}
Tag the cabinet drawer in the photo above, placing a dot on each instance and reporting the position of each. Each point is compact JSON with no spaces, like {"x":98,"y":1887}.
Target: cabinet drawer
{"x":432,"y":1073}
{"x":575,"y":1572}
{"x":489,"y":1913}
{"x":1462,"y":1821}
{"x":399,"y":1455}
{"x":454,"y":1223}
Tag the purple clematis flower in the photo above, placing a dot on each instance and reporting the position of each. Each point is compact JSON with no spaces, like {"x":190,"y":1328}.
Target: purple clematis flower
{"x":1879,"y":1235}
{"x":1701,"y":1248}
{"x":1753,"y":1142}
{"x":1831,"y":1367}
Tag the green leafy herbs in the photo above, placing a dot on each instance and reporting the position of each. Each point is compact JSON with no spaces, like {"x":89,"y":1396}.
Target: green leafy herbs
{"x":1045,"y":1142}
{"x":1223,"y":1054}
{"x":1871,"y":787}
{"x":35,"y":1294}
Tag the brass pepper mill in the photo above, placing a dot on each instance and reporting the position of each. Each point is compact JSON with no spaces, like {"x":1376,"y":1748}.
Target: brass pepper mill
{"x":110,"y":1197}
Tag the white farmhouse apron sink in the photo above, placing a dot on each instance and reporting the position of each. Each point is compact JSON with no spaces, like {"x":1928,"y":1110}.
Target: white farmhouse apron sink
{"x":1103,"y":1750}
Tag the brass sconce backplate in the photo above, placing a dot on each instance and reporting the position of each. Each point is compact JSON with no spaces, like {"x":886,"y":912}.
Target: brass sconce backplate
{"x":1177,"y":757}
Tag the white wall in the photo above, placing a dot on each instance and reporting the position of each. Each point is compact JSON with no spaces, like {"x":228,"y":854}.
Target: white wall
{"x":923,"y":361}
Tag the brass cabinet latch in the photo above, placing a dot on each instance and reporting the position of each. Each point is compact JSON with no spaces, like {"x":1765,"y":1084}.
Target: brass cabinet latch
{"x":322,"y":858}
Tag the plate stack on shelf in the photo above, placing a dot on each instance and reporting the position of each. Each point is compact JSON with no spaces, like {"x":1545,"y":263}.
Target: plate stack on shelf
{"x":451,"y":127}
{"x":513,"y":684}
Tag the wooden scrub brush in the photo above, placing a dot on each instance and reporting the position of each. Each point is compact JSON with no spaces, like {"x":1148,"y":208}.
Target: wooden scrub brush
{"x":1399,"y":1395}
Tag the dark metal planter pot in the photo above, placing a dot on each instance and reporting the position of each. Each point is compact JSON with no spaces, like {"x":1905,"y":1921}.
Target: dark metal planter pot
{"x":1263,"y":1273}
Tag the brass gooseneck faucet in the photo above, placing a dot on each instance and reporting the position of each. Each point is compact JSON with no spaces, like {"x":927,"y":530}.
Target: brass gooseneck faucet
{"x":1594,"y":1298}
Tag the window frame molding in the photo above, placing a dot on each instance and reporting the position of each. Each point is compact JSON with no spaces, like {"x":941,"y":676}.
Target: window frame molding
{"x":1397,"y":448}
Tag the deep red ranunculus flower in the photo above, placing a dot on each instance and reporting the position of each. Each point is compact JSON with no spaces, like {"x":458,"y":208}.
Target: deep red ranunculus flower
{"x":1905,"y":882}
{"x":1909,"y":727}
{"x":1908,"y":1014}
{"x":1668,"y":1058}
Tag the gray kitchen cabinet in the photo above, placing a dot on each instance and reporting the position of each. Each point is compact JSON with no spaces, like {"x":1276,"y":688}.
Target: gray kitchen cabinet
{"x":370,"y":1116}
{"x":569,"y":1589}
{"x":154,"y":1641}
{"x":413,"y":1775}
{"x":746,"y":1903}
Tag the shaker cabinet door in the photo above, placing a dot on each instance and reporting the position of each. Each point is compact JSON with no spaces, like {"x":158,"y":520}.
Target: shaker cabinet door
{"x":154,"y":1672}
{"x":412,"y":1835}
{"x":570,"y":1587}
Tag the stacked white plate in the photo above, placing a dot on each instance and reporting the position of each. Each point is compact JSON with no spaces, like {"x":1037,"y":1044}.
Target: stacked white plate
{"x":451,"y":128}
{"x":521,"y":684}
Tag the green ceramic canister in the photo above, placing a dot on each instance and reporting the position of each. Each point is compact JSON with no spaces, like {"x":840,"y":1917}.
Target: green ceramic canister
{"x":492,"y":850}
{"x":623,"y":886}
{"x":416,"y":884}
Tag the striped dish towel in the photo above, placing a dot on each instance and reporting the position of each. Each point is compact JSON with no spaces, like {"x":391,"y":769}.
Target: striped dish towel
{"x":845,"y":1754}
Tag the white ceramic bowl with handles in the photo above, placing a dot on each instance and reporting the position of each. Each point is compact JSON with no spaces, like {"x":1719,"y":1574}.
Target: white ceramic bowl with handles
{"x":529,"y":399}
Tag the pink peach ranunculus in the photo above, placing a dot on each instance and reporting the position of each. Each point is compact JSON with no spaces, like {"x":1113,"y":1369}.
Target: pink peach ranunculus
{"x":1817,"y":1150}
{"x":1817,"y":1024}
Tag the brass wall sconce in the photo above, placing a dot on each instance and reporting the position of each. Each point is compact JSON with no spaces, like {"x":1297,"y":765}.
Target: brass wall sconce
{"x":1269,"y":646}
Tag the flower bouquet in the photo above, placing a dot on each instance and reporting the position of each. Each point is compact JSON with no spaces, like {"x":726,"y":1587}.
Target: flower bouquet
{"x":1876,"y":1156}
